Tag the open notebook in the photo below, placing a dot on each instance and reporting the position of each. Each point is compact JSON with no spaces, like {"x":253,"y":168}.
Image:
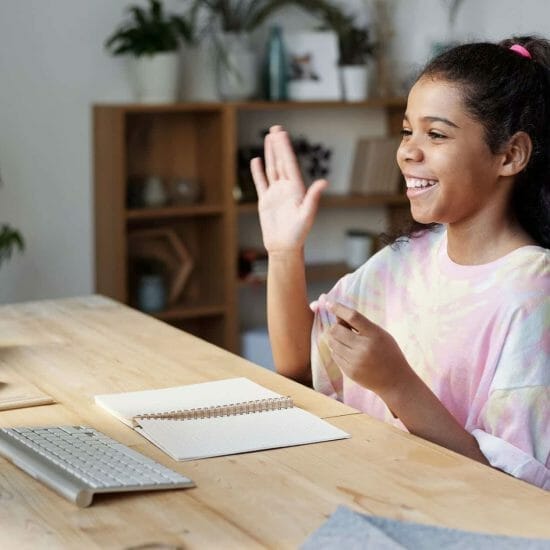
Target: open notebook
{"x":217,"y":418}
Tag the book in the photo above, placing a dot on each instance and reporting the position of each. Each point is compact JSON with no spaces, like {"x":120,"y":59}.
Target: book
{"x":16,"y":392}
{"x":375,"y":170}
{"x":217,"y":418}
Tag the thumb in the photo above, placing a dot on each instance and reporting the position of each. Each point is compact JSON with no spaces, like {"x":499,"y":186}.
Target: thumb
{"x":313,"y":195}
{"x":351,"y":318}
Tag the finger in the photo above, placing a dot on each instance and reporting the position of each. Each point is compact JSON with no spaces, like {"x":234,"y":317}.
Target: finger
{"x":258,"y":175}
{"x":339,"y":337}
{"x":276,"y":128}
{"x":280,"y":143}
{"x":270,"y":168}
{"x":313,"y":196}
{"x":288,"y":157}
{"x":341,"y":361}
{"x":351,"y":318}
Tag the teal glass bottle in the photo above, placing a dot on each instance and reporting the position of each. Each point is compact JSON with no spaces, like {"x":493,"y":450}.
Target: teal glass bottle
{"x":276,"y":67}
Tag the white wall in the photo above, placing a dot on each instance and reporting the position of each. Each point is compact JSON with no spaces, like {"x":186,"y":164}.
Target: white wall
{"x":53,"y":68}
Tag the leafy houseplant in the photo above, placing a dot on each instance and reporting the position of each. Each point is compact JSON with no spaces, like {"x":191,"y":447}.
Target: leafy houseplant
{"x":152,"y":39}
{"x":355,"y":44}
{"x":150,"y":32}
{"x":238,"y":15}
{"x":10,"y":239}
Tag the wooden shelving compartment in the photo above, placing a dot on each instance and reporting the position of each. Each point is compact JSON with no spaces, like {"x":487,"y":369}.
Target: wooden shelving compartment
{"x":133,"y":142}
{"x":196,"y":141}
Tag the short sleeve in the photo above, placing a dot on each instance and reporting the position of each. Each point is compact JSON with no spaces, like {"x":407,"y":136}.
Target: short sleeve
{"x":513,"y":428}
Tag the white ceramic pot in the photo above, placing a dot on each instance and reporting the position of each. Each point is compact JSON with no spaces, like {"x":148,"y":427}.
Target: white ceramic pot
{"x":155,"y":77}
{"x":237,"y":68}
{"x":354,"y":82}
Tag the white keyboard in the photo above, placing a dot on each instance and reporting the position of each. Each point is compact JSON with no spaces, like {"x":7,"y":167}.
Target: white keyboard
{"x":78,"y":462}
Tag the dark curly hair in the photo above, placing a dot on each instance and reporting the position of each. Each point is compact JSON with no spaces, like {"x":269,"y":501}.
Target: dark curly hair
{"x":506,"y":93}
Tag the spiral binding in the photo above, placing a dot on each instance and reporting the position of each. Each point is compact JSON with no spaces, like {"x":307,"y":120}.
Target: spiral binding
{"x":233,"y":409}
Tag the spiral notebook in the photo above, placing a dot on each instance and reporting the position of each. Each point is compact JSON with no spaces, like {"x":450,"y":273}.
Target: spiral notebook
{"x":218,"y":418}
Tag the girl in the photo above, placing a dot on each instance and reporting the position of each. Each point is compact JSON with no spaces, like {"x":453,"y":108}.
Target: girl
{"x":445,"y":333}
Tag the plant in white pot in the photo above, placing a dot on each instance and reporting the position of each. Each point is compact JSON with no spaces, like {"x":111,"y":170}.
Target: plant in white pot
{"x":355,"y":44}
{"x":229,"y":23}
{"x":151,"y":40}
{"x":355,"y":51}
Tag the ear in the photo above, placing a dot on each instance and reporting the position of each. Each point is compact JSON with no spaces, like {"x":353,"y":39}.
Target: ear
{"x":516,"y":154}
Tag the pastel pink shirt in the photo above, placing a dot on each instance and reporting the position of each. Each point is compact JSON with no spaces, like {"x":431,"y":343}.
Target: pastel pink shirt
{"x":479,"y":337}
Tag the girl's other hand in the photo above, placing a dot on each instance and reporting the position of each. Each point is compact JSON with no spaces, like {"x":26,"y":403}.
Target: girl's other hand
{"x":366,"y":353}
{"x":286,"y":208}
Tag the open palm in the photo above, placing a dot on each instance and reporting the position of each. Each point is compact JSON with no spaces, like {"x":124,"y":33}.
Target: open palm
{"x":286,"y":208}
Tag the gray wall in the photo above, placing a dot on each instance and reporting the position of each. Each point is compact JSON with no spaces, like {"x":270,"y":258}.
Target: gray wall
{"x":53,"y":68}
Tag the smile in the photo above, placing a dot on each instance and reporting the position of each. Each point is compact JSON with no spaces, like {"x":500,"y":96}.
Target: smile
{"x":419,"y":186}
{"x":417,"y":183}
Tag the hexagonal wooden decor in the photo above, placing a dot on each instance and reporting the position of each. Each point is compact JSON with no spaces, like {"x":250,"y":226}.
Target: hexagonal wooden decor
{"x":164,"y":245}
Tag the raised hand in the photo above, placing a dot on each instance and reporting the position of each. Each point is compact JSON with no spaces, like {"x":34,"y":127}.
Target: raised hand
{"x":286,"y":208}
{"x":366,"y":353}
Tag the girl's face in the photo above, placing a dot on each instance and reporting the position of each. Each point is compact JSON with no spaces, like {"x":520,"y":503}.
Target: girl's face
{"x":451,"y":174}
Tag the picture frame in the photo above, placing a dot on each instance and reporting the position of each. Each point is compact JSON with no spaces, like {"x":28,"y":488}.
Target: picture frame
{"x":313,"y":66}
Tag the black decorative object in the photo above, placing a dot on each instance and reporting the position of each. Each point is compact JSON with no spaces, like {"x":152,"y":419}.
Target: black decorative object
{"x":314,"y":159}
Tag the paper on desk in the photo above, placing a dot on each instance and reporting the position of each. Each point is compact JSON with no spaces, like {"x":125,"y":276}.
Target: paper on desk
{"x":221,"y":436}
{"x":17,"y":393}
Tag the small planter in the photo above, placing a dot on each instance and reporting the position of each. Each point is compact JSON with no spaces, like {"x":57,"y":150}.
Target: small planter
{"x":237,"y":68}
{"x":355,"y":82}
{"x":155,"y":77}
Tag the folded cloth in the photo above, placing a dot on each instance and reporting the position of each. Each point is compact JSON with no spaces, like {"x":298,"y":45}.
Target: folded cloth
{"x":353,"y":531}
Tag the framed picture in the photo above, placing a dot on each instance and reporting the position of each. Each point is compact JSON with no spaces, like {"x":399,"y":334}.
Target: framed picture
{"x":313,"y":66}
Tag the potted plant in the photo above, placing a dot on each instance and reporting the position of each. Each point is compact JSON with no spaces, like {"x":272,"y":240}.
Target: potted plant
{"x":151,"y":39}
{"x":10,"y":239}
{"x":229,"y":23}
{"x":355,"y":44}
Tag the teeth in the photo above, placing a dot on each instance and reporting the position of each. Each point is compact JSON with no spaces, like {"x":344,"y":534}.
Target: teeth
{"x":419,"y":183}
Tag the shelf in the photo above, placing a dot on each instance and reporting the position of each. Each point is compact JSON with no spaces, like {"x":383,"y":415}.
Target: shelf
{"x":314,"y":273}
{"x":199,"y":141}
{"x":377,"y":103}
{"x":192,"y":312}
{"x":256,"y":105}
{"x":343,"y":201}
{"x":173,"y":212}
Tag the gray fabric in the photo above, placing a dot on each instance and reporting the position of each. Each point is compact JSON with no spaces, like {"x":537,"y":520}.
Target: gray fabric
{"x":349,"y":530}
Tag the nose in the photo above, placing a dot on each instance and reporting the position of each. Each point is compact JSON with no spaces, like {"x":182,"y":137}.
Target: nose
{"x":409,"y":151}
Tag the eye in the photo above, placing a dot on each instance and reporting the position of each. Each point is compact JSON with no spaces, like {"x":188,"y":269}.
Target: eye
{"x":436,"y":135}
{"x":405,"y":132}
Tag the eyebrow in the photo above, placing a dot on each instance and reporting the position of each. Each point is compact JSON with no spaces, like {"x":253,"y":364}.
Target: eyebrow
{"x":435,"y":119}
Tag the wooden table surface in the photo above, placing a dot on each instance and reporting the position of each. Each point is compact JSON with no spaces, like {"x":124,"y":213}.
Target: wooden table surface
{"x":76,"y":348}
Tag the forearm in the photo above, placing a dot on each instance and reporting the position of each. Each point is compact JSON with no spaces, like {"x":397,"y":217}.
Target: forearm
{"x":425,"y":416}
{"x":289,"y":317}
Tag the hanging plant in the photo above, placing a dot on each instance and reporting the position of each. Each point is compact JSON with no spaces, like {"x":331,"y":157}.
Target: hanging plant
{"x":10,"y":240}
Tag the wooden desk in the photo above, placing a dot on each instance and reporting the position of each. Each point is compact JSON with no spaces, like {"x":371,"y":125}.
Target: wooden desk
{"x":74,"y":349}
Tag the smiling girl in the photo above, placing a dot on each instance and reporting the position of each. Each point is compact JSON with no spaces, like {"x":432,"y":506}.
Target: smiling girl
{"x":446,"y":332}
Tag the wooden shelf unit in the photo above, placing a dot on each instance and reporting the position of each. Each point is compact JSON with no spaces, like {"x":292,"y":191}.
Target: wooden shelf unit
{"x":193,"y":140}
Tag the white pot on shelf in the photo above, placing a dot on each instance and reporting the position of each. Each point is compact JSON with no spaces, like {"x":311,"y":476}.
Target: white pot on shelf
{"x":237,"y":67}
{"x":355,"y":82}
{"x":155,"y":77}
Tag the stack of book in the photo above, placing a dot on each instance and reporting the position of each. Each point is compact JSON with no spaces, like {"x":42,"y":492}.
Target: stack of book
{"x":375,"y":170}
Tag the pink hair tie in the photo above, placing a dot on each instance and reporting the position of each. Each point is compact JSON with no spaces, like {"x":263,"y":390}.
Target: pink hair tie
{"x":519,"y":49}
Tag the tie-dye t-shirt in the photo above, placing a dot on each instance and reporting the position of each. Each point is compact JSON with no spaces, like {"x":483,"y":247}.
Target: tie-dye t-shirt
{"x":479,"y":337}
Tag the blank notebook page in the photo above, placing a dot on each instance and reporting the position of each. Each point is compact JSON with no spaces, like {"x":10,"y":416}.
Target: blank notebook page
{"x":192,"y":439}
